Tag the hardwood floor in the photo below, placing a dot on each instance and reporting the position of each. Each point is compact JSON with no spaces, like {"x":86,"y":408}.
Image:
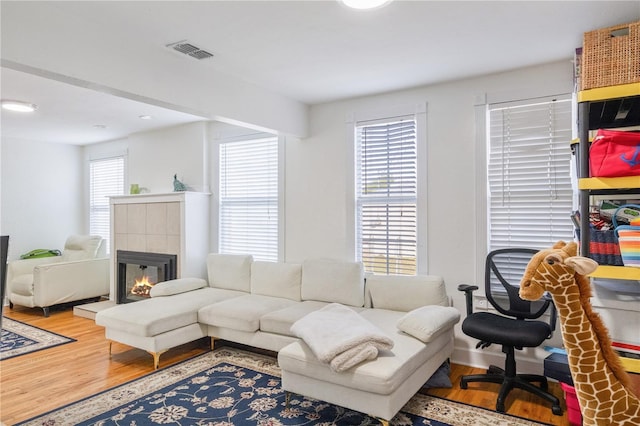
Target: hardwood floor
{"x":42,"y":381}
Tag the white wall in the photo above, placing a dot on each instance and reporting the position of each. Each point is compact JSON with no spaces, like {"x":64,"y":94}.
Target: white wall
{"x":319,"y":222}
{"x":154,"y":157}
{"x":43,"y":194}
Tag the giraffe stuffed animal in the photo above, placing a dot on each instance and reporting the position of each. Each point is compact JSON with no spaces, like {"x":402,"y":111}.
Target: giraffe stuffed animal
{"x":601,"y":383}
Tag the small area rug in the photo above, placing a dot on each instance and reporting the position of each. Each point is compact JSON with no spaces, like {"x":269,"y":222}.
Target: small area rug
{"x":229,"y":387}
{"x":19,"y":338}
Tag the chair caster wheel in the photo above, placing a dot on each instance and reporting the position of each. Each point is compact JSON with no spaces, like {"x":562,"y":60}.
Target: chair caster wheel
{"x":500,"y":407}
{"x":556,"y":410}
{"x":463,"y":385}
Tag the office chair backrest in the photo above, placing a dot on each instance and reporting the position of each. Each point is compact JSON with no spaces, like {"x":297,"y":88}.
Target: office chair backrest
{"x":504,"y":269}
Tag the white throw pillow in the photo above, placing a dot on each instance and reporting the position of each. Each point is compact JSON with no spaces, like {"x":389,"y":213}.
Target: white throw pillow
{"x":428,"y":322}
{"x":180,"y":285}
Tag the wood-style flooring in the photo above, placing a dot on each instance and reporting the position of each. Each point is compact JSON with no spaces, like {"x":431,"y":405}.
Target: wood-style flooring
{"x":35,"y":383}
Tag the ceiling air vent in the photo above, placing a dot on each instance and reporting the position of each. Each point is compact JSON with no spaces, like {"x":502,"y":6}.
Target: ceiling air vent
{"x":189,"y":49}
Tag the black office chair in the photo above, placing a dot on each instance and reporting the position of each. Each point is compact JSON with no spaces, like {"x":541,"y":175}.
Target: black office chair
{"x":513,"y":328}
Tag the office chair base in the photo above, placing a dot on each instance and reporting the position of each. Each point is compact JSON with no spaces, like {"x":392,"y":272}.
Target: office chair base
{"x":523,"y":381}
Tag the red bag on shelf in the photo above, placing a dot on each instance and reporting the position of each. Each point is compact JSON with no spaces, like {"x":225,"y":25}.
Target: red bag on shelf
{"x":615,"y":153}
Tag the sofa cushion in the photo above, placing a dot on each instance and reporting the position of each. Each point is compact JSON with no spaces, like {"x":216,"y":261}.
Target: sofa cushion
{"x":230,"y":271}
{"x":158,"y":315}
{"x":427,"y":322}
{"x":280,"y":321}
{"x":405,"y":293}
{"x":327,"y":280}
{"x":242,"y":313}
{"x":177,"y":286}
{"x":276,"y":279}
{"x":81,"y":247}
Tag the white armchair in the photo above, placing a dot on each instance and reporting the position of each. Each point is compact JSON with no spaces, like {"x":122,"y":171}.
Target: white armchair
{"x":82,"y":272}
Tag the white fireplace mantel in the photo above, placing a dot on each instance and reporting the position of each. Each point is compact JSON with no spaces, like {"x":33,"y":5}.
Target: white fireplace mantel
{"x":170,"y":223}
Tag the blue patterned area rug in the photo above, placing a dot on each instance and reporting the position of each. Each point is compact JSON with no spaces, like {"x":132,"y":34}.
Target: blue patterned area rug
{"x":233,"y":387}
{"x":19,"y":338}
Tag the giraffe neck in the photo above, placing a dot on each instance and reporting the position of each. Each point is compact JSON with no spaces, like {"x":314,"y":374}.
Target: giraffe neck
{"x":577,"y":330}
{"x":589,"y":353}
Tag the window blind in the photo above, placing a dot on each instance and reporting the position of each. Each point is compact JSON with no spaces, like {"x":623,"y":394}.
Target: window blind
{"x":529,"y":183}
{"x":106,"y":178}
{"x":386,"y":196}
{"x":249,"y":198}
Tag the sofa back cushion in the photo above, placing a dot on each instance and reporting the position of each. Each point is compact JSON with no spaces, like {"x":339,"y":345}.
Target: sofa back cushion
{"x":276,"y":279}
{"x":82,"y":247}
{"x":328,"y":280}
{"x":405,"y":293}
{"x":230,"y":271}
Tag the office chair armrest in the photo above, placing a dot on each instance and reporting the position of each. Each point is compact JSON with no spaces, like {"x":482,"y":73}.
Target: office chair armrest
{"x":468,"y":294}
{"x":553,"y":315}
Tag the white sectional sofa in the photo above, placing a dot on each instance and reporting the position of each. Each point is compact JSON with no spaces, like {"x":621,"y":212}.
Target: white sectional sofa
{"x":255,"y":303}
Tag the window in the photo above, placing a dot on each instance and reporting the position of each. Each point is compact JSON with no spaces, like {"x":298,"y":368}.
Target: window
{"x":529,"y":183}
{"x":106,"y":178}
{"x":386,"y":195}
{"x":249,"y":198}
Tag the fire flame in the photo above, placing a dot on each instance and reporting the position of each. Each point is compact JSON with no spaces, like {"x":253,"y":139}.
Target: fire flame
{"x":142,"y":286}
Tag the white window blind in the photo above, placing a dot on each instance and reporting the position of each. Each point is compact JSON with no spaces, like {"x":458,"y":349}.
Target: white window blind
{"x":529,"y":183}
{"x":249,"y":198}
{"x":106,"y":178}
{"x":386,"y":196}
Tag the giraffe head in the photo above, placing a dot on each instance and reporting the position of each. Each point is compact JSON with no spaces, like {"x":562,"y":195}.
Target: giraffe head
{"x":554,"y":269}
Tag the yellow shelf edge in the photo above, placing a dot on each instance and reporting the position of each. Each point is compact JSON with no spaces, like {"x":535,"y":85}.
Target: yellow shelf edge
{"x":610,"y":92}
{"x":632,"y":365}
{"x":609,"y":183}
{"x":616,"y":272}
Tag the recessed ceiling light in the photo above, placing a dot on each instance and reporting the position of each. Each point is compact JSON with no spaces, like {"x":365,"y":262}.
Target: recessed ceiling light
{"x":145,"y":117}
{"x":18,"y":106}
{"x":364,"y":4}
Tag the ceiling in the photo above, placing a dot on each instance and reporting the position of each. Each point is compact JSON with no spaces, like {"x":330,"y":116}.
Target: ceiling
{"x":310,"y":51}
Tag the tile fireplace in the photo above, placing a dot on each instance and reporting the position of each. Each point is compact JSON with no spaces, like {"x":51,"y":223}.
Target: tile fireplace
{"x":175,"y":223}
{"x":138,"y":272}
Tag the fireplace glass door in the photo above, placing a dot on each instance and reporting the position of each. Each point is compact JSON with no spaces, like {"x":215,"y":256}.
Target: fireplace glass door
{"x":138,"y":272}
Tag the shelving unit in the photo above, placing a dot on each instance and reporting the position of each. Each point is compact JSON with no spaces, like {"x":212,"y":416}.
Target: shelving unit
{"x":605,"y":108}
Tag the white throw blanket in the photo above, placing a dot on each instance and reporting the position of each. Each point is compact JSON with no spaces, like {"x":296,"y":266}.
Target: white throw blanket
{"x":337,"y":335}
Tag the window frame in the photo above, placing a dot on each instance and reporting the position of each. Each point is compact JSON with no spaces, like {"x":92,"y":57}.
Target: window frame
{"x":419,"y":111}
{"x":217,"y":158}
{"x":107,"y":206}
{"x":483,"y":138}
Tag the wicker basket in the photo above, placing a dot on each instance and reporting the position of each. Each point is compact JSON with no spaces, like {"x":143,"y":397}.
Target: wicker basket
{"x":611,"y":56}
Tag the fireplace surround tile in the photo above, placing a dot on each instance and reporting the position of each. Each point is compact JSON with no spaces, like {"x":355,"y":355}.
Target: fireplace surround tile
{"x":120,"y":218}
{"x":158,"y":244}
{"x":136,"y":242}
{"x":156,"y":220}
{"x":173,"y":219}
{"x":136,"y":218}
